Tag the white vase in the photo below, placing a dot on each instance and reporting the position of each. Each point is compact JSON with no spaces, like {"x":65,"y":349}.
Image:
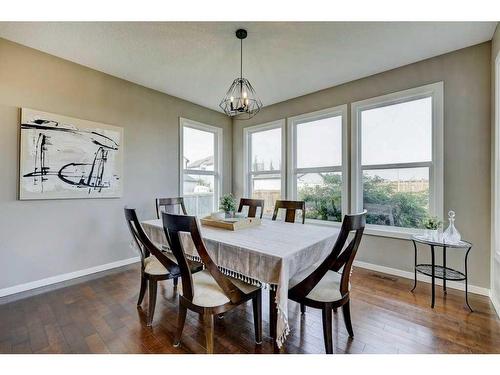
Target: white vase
{"x":220,"y":215}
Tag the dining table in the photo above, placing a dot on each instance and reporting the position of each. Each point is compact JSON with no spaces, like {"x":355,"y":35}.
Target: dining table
{"x":269,"y":255}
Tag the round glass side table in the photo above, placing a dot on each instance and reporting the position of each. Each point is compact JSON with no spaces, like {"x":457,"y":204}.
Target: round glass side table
{"x":441,"y":272}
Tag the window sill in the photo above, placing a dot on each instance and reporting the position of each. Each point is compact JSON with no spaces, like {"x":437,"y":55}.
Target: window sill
{"x":324,"y":223}
{"x":392,"y":232}
{"x":375,"y":230}
{"x":370,"y":229}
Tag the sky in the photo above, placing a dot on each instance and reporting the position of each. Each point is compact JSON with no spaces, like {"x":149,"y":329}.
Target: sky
{"x":198,"y":144}
{"x":398,"y":133}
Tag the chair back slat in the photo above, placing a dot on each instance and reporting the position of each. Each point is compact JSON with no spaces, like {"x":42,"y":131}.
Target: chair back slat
{"x":176,"y":224}
{"x":170,"y":205}
{"x":291,"y":208}
{"x":341,"y":256}
{"x":146,"y":247}
{"x":252,"y":204}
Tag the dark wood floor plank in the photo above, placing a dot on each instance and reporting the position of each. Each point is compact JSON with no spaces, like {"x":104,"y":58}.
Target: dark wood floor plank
{"x":38,"y":338}
{"x":56,"y":340}
{"x":100,"y":316}
{"x":74,"y":338}
{"x":96,"y":345}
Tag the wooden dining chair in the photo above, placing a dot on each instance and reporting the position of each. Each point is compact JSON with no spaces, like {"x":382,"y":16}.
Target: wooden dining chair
{"x":325,"y":287}
{"x":252,"y":204}
{"x":169,"y":205}
{"x":291,"y":208}
{"x":156,"y":265}
{"x":209,"y":292}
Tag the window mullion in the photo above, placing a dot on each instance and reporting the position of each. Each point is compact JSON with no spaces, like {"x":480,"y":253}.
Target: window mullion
{"x":276,"y":171}
{"x":424,"y":164}
{"x":200,"y":172}
{"x":318,"y":169}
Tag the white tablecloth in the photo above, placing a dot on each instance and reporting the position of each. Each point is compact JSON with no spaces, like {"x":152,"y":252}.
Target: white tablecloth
{"x":271,"y":253}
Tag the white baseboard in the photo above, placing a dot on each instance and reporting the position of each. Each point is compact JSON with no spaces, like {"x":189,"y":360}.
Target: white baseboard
{"x":64,"y":277}
{"x":103,"y":267}
{"x":495,"y":301}
{"x":410,"y":275}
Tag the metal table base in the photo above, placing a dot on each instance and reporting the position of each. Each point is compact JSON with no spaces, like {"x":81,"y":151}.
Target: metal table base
{"x":441,"y":272}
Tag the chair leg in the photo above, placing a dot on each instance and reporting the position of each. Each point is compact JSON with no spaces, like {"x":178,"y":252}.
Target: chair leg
{"x":153,"y":285}
{"x":144,"y":284}
{"x":302,"y":308}
{"x":176,"y":282}
{"x":346,"y":310}
{"x":327,"y":329}
{"x":208,"y":324}
{"x":181,"y":320}
{"x":257,"y":317}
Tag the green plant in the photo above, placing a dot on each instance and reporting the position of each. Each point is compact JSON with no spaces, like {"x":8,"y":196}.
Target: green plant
{"x":431,"y":222}
{"x":398,"y":208}
{"x":408,"y":209}
{"x":227,"y":203}
{"x":323,"y":201}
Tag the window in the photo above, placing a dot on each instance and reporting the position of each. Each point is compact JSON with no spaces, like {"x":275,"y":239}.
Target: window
{"x":397,"y":157}
{"x":317,"y":171}
{"x":200,"y":166}
{"x":264,"y":170}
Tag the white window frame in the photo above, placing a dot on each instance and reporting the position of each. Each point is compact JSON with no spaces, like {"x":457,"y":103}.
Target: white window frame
{"x":217,"y":172}
{"x":292,"y":171}
{"x":435,"y":91}
{"x":495,"y":232}
{"x":247,"y":159}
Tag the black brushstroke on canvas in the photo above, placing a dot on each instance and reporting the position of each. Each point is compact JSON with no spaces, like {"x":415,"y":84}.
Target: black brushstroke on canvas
{"x":44,"y":125}
{"x":41,"y":169}
{"x":77,"y":174}
{"x":92,"y":180}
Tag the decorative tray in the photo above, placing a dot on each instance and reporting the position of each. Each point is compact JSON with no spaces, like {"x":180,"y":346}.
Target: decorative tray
{"x":231,"y":224}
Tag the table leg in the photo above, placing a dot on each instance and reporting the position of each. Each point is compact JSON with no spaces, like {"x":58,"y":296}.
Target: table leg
{"x":415,"y":267}
{"x":273,"y":318}
{"x":466,"y":286}
{"x":433,"y":265}
{"x":273,"y":313}
{"x":444,"y":270}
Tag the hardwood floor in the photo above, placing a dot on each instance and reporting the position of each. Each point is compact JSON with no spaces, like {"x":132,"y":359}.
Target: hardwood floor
{"x":100,"y":316}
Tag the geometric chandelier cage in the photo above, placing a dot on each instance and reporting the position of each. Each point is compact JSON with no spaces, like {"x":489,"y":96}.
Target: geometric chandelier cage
{"x":241,"y":98}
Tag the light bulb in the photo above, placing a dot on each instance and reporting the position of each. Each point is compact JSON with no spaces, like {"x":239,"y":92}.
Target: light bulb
{"x":232,"y":99}
{"x":244,"y":94}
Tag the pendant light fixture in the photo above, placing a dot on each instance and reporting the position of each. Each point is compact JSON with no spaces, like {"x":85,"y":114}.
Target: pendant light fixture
{"x":241,"y":99}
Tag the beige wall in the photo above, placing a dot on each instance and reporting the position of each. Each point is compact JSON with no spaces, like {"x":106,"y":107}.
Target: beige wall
{"x":466,"y":76}
{"x":40,"y":239}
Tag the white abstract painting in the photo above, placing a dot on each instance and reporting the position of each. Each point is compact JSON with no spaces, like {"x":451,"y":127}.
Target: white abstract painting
{"x":63,"y":157}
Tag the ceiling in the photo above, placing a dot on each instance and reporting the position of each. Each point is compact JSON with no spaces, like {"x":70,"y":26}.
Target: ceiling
{"x":197,"y":61}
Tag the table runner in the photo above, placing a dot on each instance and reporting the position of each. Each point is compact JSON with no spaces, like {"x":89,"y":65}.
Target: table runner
{"x":270,"y":254}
